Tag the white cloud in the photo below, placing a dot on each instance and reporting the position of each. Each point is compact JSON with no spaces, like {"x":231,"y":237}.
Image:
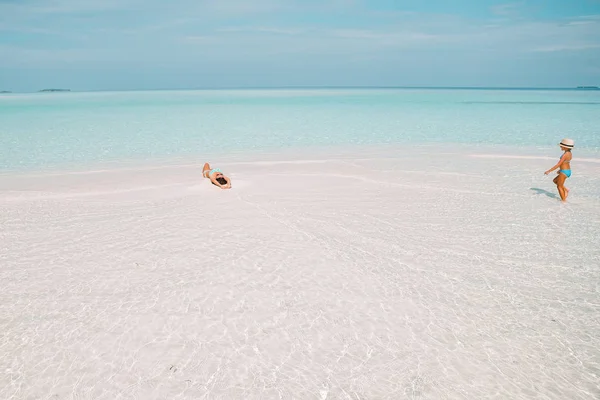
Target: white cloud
{"x":567,"y":47}
{"x":66,"y":6}
{"x":390,"y":37}
{"x":507,"y":9}
{"x":242,"y":7}
{"x":27,"y":57}
{"x":423,"y":32}
{"x":581,"y":22}
{"x":189,"y":24}
{"x":265,"y":29}
{"x":200,"y":39}
{"x":18,"y":28}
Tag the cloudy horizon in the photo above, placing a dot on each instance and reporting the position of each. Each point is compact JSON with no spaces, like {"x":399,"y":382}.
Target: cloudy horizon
{"x":132,"y":45}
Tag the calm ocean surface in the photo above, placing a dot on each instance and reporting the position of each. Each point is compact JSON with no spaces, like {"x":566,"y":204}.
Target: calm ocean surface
{"x":52,"y":130}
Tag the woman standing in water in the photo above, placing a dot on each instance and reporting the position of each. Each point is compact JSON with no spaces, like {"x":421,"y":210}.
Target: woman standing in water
{"x":564,"y":165}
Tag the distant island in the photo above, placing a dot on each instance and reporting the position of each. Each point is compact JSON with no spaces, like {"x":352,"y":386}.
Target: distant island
{"x":55,"y":90}
{"x":588,"y":87}
{"x":5,"y":91}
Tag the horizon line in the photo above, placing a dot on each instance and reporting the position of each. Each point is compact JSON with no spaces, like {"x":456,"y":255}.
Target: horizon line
{"x":300,"y":87}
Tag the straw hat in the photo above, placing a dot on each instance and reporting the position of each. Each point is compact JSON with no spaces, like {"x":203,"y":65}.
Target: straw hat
{"x":568,"y":143}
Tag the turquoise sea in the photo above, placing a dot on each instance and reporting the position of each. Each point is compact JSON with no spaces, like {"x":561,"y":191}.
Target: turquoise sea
{"x":55,"y":130}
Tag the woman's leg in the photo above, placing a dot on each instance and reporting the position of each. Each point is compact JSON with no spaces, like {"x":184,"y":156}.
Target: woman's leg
{"x":560,"y":185}
{"x":205,"y":168}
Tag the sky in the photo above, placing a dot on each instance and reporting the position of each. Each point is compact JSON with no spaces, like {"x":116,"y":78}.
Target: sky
{"x":185,"y":44}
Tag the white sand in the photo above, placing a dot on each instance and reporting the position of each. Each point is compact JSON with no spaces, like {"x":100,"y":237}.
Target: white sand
{"x":387,"y":274}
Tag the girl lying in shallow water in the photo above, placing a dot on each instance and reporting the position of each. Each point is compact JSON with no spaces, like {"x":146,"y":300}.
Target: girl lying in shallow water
{"x":216,"y":176}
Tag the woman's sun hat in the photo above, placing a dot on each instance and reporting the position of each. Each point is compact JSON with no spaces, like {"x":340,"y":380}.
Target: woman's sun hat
{"x":568,"y":143}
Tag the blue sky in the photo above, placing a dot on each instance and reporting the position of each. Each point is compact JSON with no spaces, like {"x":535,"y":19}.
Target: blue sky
{"x":149,"y":44}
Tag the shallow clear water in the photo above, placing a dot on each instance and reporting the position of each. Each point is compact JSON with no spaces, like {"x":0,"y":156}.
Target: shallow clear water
{"x":73,"y":129}
{"x":371,"y":275}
